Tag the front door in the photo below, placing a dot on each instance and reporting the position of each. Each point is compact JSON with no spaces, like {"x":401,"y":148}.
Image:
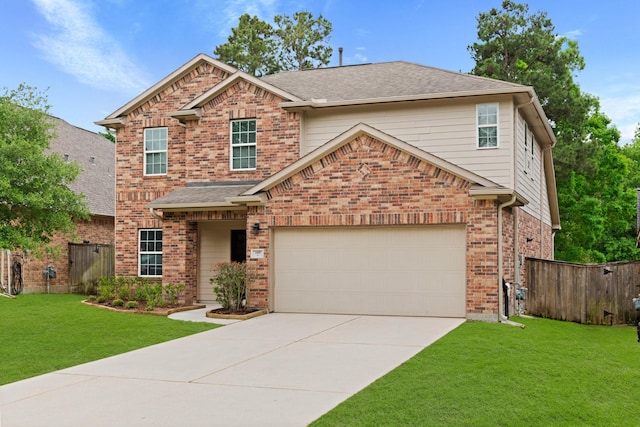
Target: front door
{"x":238,"y":245}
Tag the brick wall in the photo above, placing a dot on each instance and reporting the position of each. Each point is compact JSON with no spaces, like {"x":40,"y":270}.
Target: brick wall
{"x":99,"y":230}
{"x":198,"y":151}
{"x":367,"y":182}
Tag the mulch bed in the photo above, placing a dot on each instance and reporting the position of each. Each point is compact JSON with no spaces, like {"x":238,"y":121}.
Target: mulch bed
{"x":142,"y":308}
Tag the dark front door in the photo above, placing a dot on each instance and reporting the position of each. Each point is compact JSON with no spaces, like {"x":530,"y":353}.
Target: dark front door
{"x":238,"y":245}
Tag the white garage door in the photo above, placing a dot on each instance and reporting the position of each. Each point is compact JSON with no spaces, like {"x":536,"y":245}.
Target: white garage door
{"x":408,"y":271}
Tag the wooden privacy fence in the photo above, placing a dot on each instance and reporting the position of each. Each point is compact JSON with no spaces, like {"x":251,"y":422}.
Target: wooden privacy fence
{"x":87,"y":264}
{"x":595,"y":293}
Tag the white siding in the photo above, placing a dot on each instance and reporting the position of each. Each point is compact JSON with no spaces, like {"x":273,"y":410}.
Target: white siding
{"x":214,"y":246}
{"x":445,"y":129}
{"x":531,"y":183}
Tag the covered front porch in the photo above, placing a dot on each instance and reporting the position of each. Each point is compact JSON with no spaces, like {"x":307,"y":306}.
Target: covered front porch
{"x":203,"y":224}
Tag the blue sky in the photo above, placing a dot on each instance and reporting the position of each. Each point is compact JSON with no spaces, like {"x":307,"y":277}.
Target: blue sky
{"x":95,"y":55}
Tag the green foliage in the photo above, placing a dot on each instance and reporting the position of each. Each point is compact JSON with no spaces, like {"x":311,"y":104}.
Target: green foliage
{"x":595,"y":178}
{"x":230,"y":280}
{"x":52,"y":332}
{"x":151,"y":293}
{"x":520,"y":47}
{"x":106,"y":288}
{"x":101,"y":300}
{"x":303,"y":40}
{"x":111,"y":137}
{"x":118,"y":302}
{"x":174,"y":292}
{"x":554,"y":374}
{"x":297,"y":43}
{"x":35,"y":199}
{"x":131,"y":305}
{"x":124,"y":287}
{"x":251,"y":47}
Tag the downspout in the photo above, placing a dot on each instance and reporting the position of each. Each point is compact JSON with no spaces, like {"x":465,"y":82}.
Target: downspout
{"x":516,"y":243}
{"x":153,"y":213}
{"x":501,"y":316}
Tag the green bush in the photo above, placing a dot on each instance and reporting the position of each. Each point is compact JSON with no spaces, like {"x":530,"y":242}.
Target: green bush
{"x":152,"y":294}
{"x":131,"y":305}
{"x":124,"y":287}
{"x":101,"y":299}
{"x":173,"y":292}
{"x":230,"y":281}
{"x":106,"y":288}
{"x":118,"y":302}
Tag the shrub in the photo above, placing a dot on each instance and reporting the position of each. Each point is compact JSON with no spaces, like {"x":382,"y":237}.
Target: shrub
{"x":118,"y":302}
{"x":131,"y":305}
{"x":173,"y":292}
{"x":152,"y":294}
{"x":106,"y":288}
{"x":124,"y":287}
{"x":230,"y":281}
{"x":101,"y":299}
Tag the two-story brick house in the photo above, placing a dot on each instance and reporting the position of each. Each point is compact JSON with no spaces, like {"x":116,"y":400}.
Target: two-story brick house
{"x":389,"y":188}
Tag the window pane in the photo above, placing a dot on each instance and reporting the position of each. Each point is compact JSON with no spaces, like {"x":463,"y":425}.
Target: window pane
{"x":243,"y":141}
{"x":488,"y":137}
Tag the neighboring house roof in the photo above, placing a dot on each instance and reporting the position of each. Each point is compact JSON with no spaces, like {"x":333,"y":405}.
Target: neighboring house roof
{"x":96,"y":156}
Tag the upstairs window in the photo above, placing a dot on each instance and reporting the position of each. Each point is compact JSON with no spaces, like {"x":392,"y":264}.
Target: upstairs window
{"x":487,"y":116}
{"x":155,"y":151}
{"x":150,"y":253}
{"x":243,"y":144}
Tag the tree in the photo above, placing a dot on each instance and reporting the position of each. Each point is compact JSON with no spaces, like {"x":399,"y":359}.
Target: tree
{"x":258,"y":48}
{"x":111,"y":137}
{"x":591,"y":171}
{"x":599,"y":209}
{"x":35,"y":201}
{"x":524,"y":48}
{"x":251,"y":47}
{"x":303,"y":41}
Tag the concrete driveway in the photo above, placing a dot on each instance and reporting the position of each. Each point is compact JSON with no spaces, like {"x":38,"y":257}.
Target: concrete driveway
{"x":274,"y":370}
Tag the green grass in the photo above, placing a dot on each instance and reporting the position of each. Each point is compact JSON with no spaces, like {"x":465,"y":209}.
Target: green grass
{"x":550,"y":374}
{"x":44,"y":333}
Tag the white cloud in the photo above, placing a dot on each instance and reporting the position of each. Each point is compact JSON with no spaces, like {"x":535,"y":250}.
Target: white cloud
{"x":624,"y":112}
{"x":223,"y":18}
{"x":360,"y":57}
{"x":573,"y":34}
{"x":79,"y":46}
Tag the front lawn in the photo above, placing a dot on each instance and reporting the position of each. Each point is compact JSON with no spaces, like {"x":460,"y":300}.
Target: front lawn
{"x":550,"y":374}
{"x":44,"y":333}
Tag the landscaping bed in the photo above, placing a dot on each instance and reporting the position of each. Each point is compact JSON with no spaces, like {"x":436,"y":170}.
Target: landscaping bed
{"x":142,"y":307}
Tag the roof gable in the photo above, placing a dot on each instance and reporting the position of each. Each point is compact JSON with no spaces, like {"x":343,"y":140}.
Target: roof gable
{"x":358,"y":131}
{"x":164,"y":83}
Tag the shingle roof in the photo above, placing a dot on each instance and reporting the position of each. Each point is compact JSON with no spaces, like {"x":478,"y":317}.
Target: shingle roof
{"x":382,"y":80}
{"x":96,"y":156}
{"x":200,"y":195}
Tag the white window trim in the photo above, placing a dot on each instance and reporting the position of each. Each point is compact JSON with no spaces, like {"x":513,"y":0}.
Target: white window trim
{"x":527,"y":162}
{"x":231,"y":146}
{"x":145,"y":152}
{"x":140,"y":253}
{"x":496,"y":125}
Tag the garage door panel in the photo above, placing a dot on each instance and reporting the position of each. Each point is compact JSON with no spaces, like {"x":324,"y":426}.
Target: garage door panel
{"x":384,"y":270}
